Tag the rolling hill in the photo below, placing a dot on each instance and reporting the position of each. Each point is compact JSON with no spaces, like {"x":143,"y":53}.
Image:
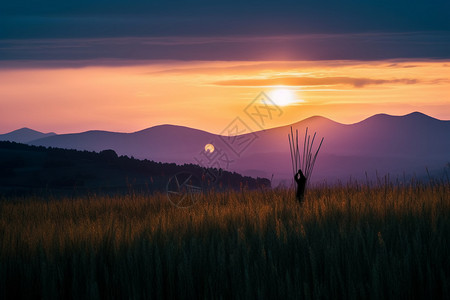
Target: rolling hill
{"x":376,"y":146}
{"x":26,"y":169}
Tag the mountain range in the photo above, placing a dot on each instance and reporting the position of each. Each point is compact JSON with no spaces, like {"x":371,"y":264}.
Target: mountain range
{"x":408,"y":145}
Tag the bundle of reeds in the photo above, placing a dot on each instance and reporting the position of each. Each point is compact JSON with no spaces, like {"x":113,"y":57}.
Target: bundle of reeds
{"x":303,"y":160}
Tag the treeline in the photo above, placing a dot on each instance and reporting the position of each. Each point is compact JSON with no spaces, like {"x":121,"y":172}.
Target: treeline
{"x":25,"y":168}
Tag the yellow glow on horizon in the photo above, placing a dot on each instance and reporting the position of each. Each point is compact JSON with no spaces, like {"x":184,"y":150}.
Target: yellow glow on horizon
{"x":209,"y":95}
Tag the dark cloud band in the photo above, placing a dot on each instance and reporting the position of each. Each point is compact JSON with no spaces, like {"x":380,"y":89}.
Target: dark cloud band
{"x":372,"y":46}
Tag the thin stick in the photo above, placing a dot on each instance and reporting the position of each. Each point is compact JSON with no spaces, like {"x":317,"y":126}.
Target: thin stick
{"x":290,"y":149}
{"x":297,"y":152}
{"x":307,"y":152}
{"x":315,"y":156}
{"x":304,"y":145}
{"x":309,"y":165}
{"x":310,"y":154}
{"x":294,"y":153}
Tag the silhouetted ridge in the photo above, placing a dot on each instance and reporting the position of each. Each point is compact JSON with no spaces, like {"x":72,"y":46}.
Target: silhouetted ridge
{"x":319,"y":120}
{"x":414,"y":116}
{"x":168,"y":128}
{"x":30,"y":168}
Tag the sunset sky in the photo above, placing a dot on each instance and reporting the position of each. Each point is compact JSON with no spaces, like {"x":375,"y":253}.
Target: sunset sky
{"x":81,"y":65}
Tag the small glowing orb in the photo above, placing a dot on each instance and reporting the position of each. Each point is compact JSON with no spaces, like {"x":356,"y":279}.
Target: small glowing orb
{"x":209,"y":148}
{"x":283,"y":97}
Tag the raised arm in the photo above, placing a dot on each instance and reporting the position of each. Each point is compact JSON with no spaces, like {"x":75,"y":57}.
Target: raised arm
{"x":296,"y":177}
{"x":302,"y":176}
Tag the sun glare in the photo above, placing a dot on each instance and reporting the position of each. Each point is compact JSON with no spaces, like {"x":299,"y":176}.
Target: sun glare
{"x":283,"y":97}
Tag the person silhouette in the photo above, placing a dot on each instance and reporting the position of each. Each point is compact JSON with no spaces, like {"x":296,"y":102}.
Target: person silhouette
{"x":300,"y":178}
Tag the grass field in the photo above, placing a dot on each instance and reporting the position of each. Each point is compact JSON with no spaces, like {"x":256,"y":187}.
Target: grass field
{"x":343,"y":242}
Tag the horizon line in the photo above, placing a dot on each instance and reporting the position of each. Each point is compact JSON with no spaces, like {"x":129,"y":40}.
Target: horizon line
{"x":176,"y":125}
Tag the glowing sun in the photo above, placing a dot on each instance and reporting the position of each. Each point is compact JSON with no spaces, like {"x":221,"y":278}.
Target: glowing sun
{"x":283,"y":97}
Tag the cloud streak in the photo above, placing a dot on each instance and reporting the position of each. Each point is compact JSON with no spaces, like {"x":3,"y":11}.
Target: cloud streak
{"x":314,"y":81}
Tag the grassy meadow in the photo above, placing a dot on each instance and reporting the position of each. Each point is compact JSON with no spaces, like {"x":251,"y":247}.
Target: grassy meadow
{"x":351,"y":241}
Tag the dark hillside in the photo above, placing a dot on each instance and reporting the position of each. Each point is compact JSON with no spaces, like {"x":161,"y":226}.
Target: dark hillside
{"x":25,"y":169}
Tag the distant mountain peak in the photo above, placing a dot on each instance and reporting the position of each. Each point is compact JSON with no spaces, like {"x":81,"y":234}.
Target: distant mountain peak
{"x":417,"y":115}
{"x":316,"y":120}
{"x":169,"y":128}
{"x":23,"y":130}
{"x":382,"y":117}
{"x":28,"y":130}
{"x":24,"y":135}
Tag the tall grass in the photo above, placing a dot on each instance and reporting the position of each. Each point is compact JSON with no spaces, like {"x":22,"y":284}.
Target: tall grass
{"x":343,"y":242}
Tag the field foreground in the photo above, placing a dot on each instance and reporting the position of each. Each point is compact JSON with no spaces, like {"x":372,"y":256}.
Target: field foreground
{"x":343,"y":242}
